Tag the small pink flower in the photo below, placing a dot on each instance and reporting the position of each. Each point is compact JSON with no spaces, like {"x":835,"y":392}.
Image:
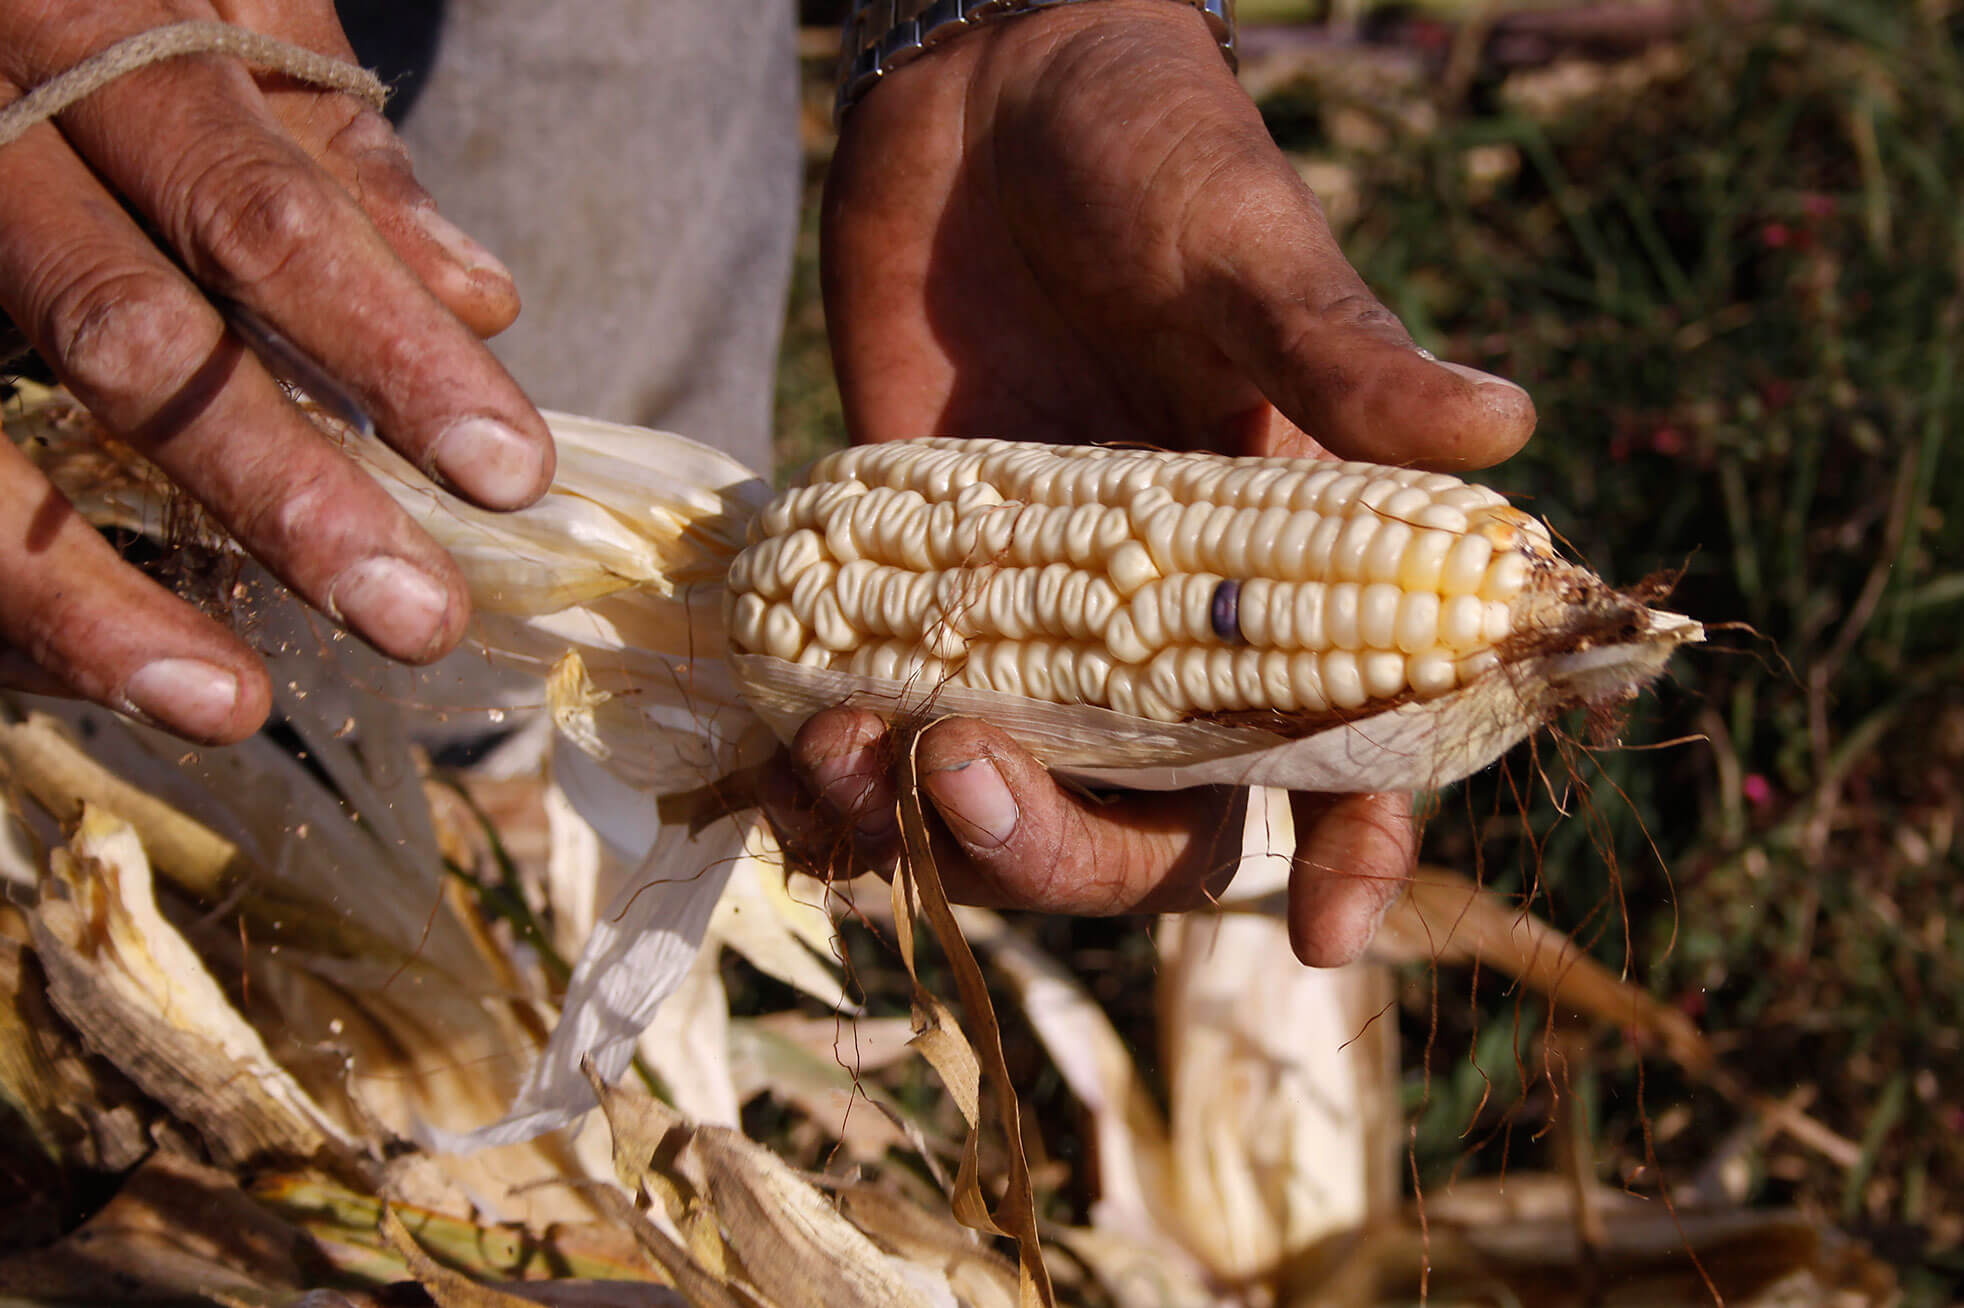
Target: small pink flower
{"x":1668,"y":441}
{"x":1757,"y":790}
{"x":1775,"y":235}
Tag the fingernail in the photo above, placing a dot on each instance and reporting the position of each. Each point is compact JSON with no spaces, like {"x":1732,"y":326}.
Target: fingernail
{"x":489,"y":461}
{"x":974,"y":796}
{"x":1479,"y":378}
{"x":467,"y":253}
{"x":189,"y":695}
{"x":400,"y":608}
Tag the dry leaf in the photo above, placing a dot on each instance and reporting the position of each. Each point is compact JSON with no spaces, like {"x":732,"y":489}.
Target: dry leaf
{"x":176,"y":1231}
{"x":1444,"y":918}
{"x":124,"y":978}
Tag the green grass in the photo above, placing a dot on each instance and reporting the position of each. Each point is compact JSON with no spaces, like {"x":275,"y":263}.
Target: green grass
{"x":1736,"y":294}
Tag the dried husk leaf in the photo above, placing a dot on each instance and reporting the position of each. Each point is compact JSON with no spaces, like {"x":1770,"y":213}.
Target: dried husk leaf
{"x":687,"y":1044}
{"x":62,"y":1109}
{"x":61,"y":777}
{"x":629,"y":509}
{"x":387,"y":1003}
{"x":917,"y":888}
{"x":978,"y":1276}
{"x":129,"y":983}
{"x":344,"y":1225}
{"x":787,"y":1241}
{"x":176,"y":1231}
{"x":1445,"y":918}
{"x":1282,"y":1090}
{"x":1133,"y":1152}
{"x":1420,"y":745}
{"x":642,"y":946}
{"x":449,"y":1289}
{"x":1518,"y":1238}
{"x":816,"y":1066}
{"x":777,"y":934}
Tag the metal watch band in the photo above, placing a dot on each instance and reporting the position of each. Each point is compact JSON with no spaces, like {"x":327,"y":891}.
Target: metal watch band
{"x":881,"y":35}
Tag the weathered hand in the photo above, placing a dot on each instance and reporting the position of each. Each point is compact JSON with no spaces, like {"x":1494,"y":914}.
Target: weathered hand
{"x":1072,"y":225}
{"x":300,"y":205}
{"x":1010,"y":836}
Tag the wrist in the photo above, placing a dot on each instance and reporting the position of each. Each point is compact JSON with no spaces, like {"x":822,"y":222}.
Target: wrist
{"x":882,"y":35}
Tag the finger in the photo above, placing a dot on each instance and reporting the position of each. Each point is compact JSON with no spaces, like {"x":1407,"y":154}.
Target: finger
{"x":1354,"y":858}
{"x":1286,"y":307}
{"x":193,"y":145}
{"x":1031,"y":843}
{"x":75,"y":619}
{"x":845,"y":758}
{"x":140,"y":346}
{"x":1261,"y":269}
{"x":360,"y":150}
{"x":807,"y":829}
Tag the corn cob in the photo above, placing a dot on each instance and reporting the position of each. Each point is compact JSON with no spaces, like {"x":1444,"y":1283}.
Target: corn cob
{"x":1163,"y":586}
{"x":1135,"y":617}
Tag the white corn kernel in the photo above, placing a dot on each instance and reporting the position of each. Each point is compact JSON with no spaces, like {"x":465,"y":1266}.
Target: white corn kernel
{"x":1377,"y":615}
{"x":1340,"y":615}
{"x":1431,"y":672}
{"x":784,"y":636}
{"x":1418,"y":621}
{"x":1383,"y":672}
{"x":1505,"y":578}
{"x":1462,"y":622}
{"x":1466,"y":566}
{"x":1343,"y":680}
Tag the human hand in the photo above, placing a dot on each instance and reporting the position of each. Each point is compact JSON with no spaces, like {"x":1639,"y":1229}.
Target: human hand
{"x":301,"y":206}
{"x":1009,"y":835}
{"x":1072,"y":225}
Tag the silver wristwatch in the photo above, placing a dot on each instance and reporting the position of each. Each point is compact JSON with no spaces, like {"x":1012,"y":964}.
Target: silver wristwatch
{"x":881,"y":35}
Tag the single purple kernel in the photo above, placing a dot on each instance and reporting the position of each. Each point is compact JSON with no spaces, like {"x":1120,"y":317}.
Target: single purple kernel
{"x":1225,"y":612}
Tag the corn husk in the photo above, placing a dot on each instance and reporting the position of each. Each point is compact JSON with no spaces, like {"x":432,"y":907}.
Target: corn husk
{"x":607,"y":596}
{"x":621,"y":564}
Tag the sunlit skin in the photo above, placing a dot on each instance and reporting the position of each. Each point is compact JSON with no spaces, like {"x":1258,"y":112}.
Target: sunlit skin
{"x":1073,"y":225}
{"x":1068,"y":225}
{"x":302,"y":206}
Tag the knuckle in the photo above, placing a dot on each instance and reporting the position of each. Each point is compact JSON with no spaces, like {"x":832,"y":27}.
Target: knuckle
{"x":120,"y":331}
{"x":279,"y":508}
{"x":368,"y":137}
{"x":1362,"y":310}
{"x":254,"y":217}
{"x":61,"y":632}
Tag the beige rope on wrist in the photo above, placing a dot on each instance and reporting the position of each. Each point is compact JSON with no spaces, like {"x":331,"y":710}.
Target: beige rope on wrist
{"x":176,"y":41}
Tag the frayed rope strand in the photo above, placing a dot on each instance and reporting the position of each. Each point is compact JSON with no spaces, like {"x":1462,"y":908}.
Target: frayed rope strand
{"x":175,"y":42}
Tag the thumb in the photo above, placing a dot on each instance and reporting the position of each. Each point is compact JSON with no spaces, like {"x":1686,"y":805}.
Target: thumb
{"x":1287,"y":309}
